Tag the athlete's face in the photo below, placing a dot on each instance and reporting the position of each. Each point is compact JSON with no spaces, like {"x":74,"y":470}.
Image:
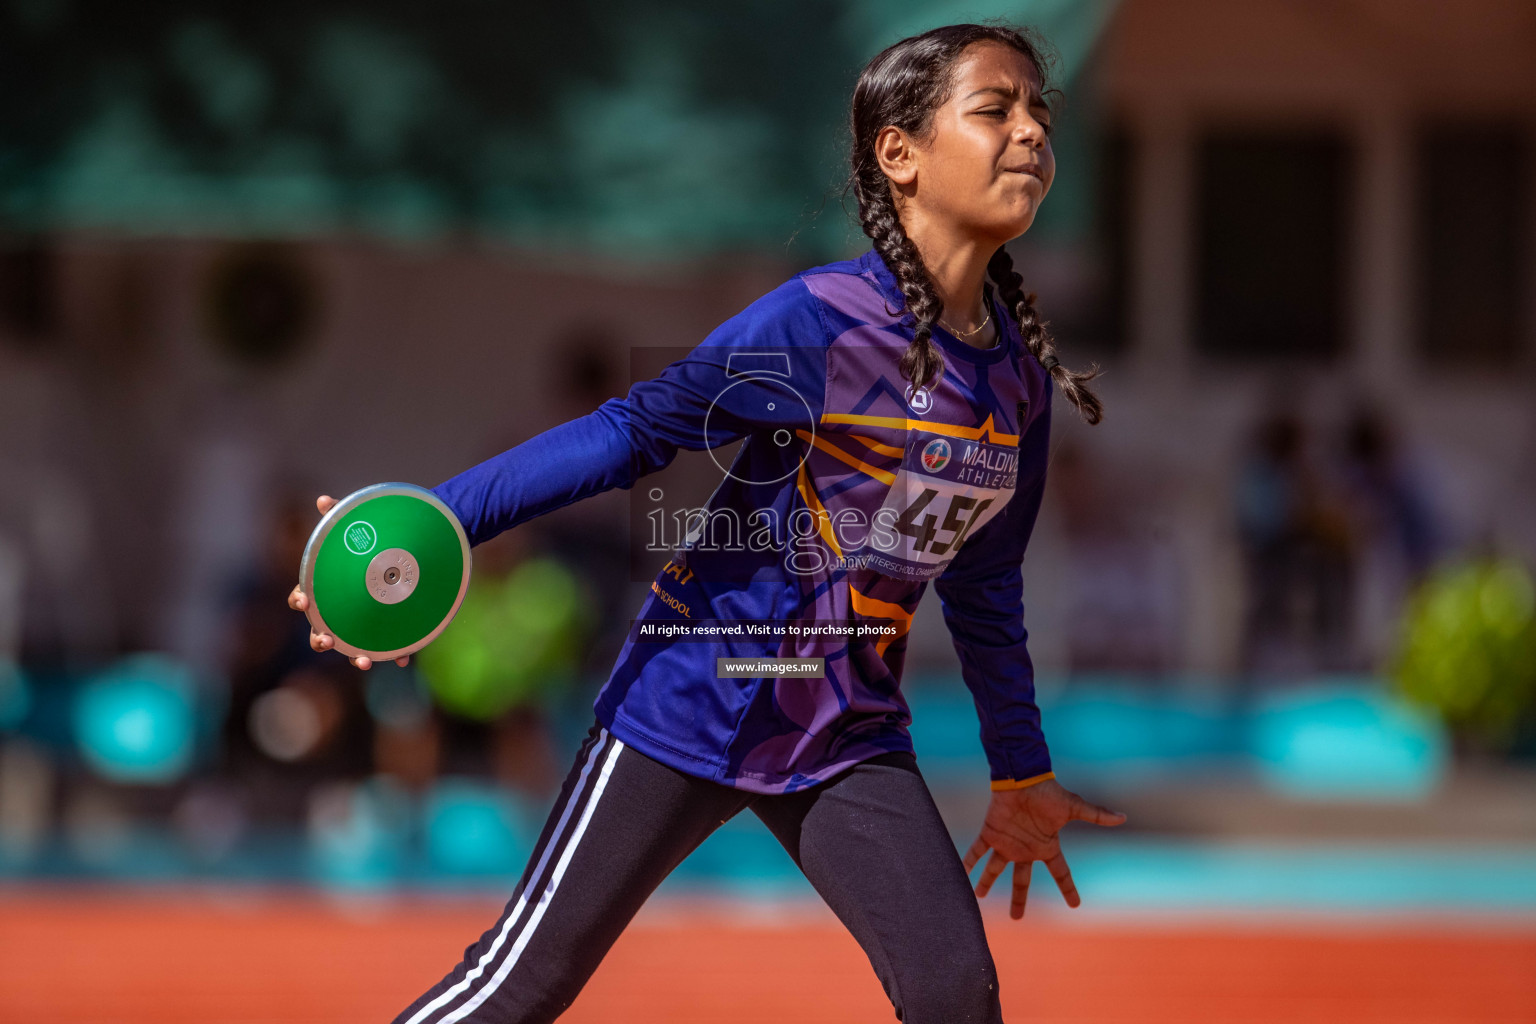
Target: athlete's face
{"x":986,"y":163}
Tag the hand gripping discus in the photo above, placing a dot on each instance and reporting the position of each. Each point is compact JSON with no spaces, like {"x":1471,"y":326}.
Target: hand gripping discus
{"x":385,"y":570}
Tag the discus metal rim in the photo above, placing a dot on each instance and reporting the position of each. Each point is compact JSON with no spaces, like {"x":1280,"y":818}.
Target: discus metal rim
{"x":323,"y":530}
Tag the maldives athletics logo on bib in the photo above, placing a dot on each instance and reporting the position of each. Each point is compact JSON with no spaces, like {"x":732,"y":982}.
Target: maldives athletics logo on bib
{"x":936,"y":455}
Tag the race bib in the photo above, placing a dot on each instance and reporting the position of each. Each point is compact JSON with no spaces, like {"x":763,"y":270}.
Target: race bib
{"x":947,"y":488}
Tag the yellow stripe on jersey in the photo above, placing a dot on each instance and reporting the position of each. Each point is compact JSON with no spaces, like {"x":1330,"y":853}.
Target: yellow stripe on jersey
{"x":876,"y":446}
{"x":875,"y":608}
{"x":813,"y":502}
{"x":984,"y":432}
{"x":842,"y":456}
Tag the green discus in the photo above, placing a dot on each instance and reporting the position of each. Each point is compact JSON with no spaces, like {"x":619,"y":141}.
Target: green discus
{"x":385,"y":570}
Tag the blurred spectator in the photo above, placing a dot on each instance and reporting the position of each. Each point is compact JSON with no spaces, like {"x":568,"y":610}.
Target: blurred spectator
{"x":590,"y":536}
{"x":1121,"y":612}
{"x":1298,"y":554}
{"x":217,"y":531}
{"x":56,"y":604}
{"x":1392,"y":519}
{"x":296,"y":716}
{"x":28,"y":782}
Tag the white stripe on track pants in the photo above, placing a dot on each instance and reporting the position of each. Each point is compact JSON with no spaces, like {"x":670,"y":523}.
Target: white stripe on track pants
{"x":869,"y":839}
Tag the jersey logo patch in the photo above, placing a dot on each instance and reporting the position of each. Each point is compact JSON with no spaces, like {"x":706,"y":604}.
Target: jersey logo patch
{"x":919,"y":399}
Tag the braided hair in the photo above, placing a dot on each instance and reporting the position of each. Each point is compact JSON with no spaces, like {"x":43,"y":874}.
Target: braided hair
{"x":903,"y":86}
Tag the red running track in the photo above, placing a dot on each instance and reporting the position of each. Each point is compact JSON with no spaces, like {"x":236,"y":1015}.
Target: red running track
{"x":77,"y":956}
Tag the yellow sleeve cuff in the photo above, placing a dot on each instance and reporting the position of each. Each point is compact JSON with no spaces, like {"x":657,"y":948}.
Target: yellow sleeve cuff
{"x":998,"y":785}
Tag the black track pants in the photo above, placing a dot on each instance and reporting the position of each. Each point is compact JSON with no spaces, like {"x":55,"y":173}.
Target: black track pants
{"x":870,"y":840}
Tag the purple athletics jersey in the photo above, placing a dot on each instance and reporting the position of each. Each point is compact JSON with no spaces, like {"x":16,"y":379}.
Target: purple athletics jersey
{"x":851,"y":493}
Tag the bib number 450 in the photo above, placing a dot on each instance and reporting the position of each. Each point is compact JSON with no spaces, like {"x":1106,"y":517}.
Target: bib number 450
{"x":922,"y":531}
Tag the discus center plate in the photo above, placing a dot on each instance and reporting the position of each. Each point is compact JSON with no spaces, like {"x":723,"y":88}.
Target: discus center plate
{"x":392,"y":576}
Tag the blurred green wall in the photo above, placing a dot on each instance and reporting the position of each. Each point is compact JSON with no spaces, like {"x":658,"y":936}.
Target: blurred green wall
{"x":676,"y":128}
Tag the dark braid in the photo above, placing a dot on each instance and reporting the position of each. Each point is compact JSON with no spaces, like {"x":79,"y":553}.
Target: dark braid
{"x":921,"y":363}
{"x":903,"y":86}
{"x":1038,"y":340}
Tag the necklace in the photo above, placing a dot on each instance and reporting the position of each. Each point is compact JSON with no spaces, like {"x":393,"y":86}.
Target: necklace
{"x":966,"y":334}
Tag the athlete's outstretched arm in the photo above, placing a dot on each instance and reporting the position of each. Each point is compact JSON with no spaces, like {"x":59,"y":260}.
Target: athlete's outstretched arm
{"x":712,"y":397}
{"x":982,"y":594}
{"x":732,"y":384}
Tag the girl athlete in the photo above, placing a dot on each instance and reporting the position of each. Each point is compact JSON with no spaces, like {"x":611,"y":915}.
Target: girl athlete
{"x":896,"y":411}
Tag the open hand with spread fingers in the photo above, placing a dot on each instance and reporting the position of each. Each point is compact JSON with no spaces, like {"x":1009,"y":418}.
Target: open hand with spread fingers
{"x":299,"y":601}
{"x":1021,"y":827}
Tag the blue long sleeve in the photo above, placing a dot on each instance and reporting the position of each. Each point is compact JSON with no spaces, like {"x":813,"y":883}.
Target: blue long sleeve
{"x":585,"y":456}
{"x":981,"y":593}
{"x":764,"y":369}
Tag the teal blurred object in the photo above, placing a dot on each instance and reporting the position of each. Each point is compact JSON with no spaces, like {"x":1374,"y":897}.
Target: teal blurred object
{"x":1131,"y":874}
{"x":1071,"y":26}
{"x":474,"y":828}
{"x":136,"y":722}
{"x":1344,"y":738}
{"x":1106,"y":718}
{"x":1169,"y":876}
{"x":15,"y":695}
{"x":359,"y":835}
{"x":1134,"y":731}
{"x":1349,"y":739}
{"x":945,"y":732}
